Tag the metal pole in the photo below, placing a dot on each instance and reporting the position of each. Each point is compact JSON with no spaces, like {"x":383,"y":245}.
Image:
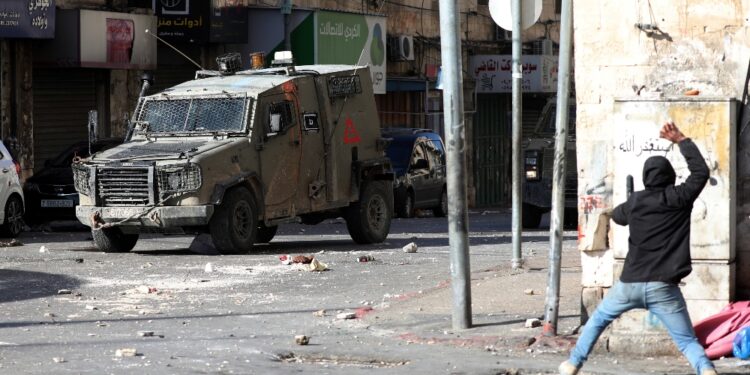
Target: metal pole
{"x":458,"y":216}
{"x":517,"y":76}
{"x":288,"y":32}
{"x":558,"y":178}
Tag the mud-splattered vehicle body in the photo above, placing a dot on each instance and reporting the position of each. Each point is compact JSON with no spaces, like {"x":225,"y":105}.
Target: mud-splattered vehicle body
{"x":235,"y":155}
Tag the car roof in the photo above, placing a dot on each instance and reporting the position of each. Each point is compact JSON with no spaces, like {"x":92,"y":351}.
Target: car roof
{"x":401,"y":134}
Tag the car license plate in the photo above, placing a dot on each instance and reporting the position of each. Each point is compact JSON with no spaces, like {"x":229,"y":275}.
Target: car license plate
{"x":56,"y":203}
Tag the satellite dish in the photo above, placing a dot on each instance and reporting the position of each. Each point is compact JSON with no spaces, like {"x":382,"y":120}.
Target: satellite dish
{"x":500,"y":10}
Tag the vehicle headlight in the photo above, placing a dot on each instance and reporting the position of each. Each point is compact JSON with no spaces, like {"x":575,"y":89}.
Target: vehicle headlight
{"x":81,"y":175}
{"x":179,"y":179}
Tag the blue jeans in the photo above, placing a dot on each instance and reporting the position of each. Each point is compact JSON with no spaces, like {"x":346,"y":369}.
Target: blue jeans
{"x":661,"y":299}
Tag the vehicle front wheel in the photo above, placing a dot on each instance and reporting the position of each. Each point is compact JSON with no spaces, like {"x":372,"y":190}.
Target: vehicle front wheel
{"x":369,"y":219}
{"x":531,"y":216}
{"x":266,"y":234}
{"x":113,"y":240}
{"x":442,"y":209}
{"x":13,"y":221}
{"x":234,"y":224}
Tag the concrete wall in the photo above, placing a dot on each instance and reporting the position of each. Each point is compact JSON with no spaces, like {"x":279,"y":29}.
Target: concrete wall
{"x":698,"y":44}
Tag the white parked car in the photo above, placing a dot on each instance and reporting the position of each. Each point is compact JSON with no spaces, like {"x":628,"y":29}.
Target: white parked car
{"x":11,"y":195}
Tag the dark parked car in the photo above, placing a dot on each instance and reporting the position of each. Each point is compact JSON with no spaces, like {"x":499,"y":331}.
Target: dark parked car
{"x":418,"y":159}
{"x":50,"y":193}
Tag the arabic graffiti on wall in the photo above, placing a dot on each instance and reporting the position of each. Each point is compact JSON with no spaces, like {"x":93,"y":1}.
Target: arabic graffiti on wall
{"x":493,"y":73}
{"x":635,"y":143}
{"x":27,"y":19}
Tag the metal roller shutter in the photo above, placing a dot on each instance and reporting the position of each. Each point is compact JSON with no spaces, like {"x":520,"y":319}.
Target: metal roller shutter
{"x":62,"y":100}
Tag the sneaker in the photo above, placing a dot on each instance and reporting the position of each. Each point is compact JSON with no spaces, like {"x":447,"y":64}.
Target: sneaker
{"x":567,"y":368}
{"x":709,"y":371}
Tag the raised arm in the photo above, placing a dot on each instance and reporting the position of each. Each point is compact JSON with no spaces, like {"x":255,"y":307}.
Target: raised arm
{"x":687,"y":192}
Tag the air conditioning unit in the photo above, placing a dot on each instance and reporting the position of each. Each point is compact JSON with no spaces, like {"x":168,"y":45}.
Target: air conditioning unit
{"x":401,"y":48}
{"x":502,"y":35}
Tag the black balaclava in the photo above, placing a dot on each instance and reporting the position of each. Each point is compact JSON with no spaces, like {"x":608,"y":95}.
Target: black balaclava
{"x":658,"y":172}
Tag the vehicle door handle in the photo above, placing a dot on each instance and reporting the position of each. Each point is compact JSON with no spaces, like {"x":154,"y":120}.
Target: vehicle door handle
{"x":5,"y":170}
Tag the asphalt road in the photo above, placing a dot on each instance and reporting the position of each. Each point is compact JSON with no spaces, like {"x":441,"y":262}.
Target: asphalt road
{"x":193,"y":312}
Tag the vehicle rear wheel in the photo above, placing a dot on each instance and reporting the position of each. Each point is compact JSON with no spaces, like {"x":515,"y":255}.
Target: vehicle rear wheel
{"x":113,"y":240}
{"x":442,"y":209}
{"x":13,"y":223}
{"x":369,"y":219}
{"x":234,"y":224}
{"x":266,"y":234}
{"x":531,"y":216}
{"x":406,"y":210}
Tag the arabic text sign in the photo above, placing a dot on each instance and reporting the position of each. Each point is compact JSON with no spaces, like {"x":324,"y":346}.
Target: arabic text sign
{"x":493,"y":73}
{"x":27,"y":19}
{"x":344,"y":38}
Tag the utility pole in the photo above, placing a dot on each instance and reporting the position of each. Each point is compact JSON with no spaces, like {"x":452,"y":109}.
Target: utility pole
{"x":286,"y":10}
{"x":458,"y":215}
{"x":558,"y":178}
{"x":517,"y":76}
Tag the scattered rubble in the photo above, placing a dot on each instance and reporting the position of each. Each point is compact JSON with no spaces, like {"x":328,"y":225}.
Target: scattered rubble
{"x":91,"y":307}
{"x":317,"y":266}
{"x":410,"y":248}
{"x":144,"y":289}
{"x":346,"y":315}
{"x":320,"y":313}
{"x":43,"y":249}
{"x":529,"y":292}
{"x":11,"y":243}
{"x":145,"y":333}
{"x":533,"y":323}
{"x":300,"y":259}
{"x":301,"y":340}
{"x":64,"y":291}
{"x":126,"y":352}
{"x":59,"y":360}
{"x":365,"y":258}
{"x":209,"y":268}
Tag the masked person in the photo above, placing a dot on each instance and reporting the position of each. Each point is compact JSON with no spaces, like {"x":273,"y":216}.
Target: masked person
{"x":658,"y":256}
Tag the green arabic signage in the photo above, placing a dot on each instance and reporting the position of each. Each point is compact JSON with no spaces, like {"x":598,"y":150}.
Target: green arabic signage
{"x":347,"y":38}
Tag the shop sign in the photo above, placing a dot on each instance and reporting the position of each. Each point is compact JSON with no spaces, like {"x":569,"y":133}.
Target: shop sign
{"x":33,"y":19}
{"x":117,"y":40}
{"x":493,"y":73}
{"x":356,"y":39}
{"x":183,"y":21}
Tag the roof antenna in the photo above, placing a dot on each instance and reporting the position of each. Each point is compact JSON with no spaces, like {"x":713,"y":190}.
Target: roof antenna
{"x":175,"y":48}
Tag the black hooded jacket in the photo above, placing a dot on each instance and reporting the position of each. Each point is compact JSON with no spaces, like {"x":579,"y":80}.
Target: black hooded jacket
{"x":659,"y":219}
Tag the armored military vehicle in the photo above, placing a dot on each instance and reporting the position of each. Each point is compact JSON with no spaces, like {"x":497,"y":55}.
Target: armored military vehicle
{"x":539,"y":152}
{"x":236,"y":153}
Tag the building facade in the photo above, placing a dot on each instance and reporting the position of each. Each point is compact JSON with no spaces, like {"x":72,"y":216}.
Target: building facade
{"x":50,"y":82}
{"x":639,"y":65}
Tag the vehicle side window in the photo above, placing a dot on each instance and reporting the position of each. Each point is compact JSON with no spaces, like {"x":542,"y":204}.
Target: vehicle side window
{"x":418,"y":153}
{"x":280,"y":117}
{"x":436,"y":152}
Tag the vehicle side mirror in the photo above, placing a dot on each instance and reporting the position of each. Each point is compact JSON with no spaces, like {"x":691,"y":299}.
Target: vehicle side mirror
{"x":420,"y":164}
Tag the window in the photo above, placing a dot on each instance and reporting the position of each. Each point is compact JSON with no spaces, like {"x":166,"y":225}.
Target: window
{"x":280,"y":117}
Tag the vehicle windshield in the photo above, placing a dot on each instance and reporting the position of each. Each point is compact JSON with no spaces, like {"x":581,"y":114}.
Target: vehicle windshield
{"x":218,"y":114}
{"x":399,"y":151}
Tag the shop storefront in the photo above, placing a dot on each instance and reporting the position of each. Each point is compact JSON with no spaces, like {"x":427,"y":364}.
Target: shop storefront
{"x":21,"y":23}
{"x":492,"y":131}
{"x":73,"y":74}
